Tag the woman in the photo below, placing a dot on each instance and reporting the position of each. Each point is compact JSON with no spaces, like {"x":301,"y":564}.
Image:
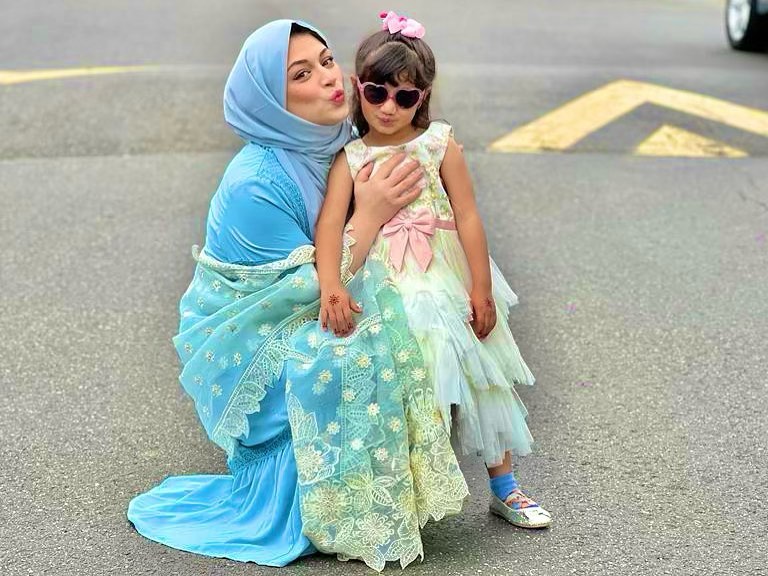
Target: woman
{"x":328,"y":438}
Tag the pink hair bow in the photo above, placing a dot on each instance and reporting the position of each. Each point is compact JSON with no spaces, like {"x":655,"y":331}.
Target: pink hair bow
{"x":406,"y":26}
{"x":410,"y":228}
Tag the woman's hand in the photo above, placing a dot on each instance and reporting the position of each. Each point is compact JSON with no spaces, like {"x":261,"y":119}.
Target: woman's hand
{"x":379,"y":197}
{"x":483,"y":312}
{"x":336,"y":308}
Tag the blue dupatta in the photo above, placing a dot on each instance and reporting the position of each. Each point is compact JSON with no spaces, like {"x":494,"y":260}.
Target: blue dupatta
{"x":373,"y":456}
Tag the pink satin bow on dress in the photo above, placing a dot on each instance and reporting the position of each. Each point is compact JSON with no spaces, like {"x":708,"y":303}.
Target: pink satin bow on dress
{"x":406,"y":26}
{"x":413,"y":228}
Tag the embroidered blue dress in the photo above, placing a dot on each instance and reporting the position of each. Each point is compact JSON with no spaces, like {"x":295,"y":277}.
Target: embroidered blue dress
{"x":257,"y":216}
{"x":263,"y":211}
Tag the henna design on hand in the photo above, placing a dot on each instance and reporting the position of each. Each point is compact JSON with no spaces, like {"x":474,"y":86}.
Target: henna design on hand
{"x":333,"y":300}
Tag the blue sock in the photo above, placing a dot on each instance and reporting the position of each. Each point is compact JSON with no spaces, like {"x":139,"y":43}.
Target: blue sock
{"x":502,"y":486}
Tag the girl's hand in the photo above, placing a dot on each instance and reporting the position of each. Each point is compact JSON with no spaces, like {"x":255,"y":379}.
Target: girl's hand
{"x":336,"y":308}
{"x":483,"y":312}
{"x":381,"y":196}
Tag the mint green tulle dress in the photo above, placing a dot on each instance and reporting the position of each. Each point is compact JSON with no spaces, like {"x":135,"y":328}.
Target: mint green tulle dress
{"x":430,"y":270}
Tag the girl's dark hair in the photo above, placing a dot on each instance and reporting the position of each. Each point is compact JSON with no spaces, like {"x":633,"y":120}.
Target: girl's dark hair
{"x":386,"y":58}
{"x":297,"y":29}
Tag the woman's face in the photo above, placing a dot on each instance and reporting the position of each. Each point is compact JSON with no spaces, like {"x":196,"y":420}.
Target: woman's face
{"x":315,"y":87}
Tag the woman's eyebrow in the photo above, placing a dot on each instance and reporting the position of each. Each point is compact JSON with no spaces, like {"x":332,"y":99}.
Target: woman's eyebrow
{"x":305,"y":61}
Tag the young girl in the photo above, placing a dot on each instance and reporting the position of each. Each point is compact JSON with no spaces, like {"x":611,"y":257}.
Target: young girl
{"x":437,"y":256}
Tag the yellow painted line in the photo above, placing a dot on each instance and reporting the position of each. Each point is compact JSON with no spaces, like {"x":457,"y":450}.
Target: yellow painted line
{"x":673,"y":141}
{"x":563,"y":127}
{"x":572,"y":122}
{"x":21,"y":76}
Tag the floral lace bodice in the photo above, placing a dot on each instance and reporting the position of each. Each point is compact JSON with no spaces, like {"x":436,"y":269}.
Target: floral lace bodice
{"x":428,"y":148}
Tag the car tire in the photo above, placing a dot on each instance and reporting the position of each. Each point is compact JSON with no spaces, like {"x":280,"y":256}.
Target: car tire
{"x":745,"y":27}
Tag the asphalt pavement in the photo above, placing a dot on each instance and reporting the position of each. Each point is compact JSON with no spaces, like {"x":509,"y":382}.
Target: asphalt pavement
{"x":642,"y":279}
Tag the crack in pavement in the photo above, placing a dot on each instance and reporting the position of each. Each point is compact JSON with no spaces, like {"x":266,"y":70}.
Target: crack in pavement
{"x":745,"y":198}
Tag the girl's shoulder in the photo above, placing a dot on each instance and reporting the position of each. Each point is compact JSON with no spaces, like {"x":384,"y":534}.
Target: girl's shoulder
{"x":356,"y":153}
{"x":439,"y":133}
{"x":440,"y":128}
{"x":354,"y":145}
{"x":435,"y":139}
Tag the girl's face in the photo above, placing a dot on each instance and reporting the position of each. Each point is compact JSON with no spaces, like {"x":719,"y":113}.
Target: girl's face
{"x":388,"y":118}
{"x":315,"y":88}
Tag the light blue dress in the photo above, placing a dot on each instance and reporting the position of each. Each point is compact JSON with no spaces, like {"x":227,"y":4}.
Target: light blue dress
{"x":257,"y":216}
{"x":264,"y":208}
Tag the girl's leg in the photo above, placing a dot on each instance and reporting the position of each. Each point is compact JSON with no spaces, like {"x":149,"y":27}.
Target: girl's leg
{"x":504,"y":468}
{"x":510,"y":502}
{"x":502,"y":479}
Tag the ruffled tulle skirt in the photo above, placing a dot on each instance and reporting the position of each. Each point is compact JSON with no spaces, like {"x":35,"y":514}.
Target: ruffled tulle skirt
{"x":474,"y":381}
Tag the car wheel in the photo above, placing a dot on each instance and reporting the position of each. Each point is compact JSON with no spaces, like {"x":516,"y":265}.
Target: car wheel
{"x":745,"y":27}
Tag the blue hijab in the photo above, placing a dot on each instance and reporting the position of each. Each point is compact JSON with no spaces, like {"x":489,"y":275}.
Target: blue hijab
{"x":254,"y":106}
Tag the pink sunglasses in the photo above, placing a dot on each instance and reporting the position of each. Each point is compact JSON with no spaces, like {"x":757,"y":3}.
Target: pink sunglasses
{"x":377,"y":94}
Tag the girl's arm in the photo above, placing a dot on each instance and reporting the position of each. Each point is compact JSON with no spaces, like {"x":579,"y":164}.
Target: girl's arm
{"x":458,"y":184}
{"x":336,"y":305}
{"x":377,"y":199}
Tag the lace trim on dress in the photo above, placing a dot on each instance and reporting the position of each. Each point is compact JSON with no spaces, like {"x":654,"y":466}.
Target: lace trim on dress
{"x":267,"y":364}
{"x":265,"y":368}
{"x":304,"y":254}
{"x":346,"y":254}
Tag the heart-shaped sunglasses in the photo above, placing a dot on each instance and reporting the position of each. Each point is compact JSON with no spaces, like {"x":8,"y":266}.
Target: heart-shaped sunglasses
{"x":377,"y":94}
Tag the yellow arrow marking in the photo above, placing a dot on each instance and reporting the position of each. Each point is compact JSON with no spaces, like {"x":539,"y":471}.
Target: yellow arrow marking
{"x":20,"y":76}
{"x":672,"y":141}
{"x":574,"y":121}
